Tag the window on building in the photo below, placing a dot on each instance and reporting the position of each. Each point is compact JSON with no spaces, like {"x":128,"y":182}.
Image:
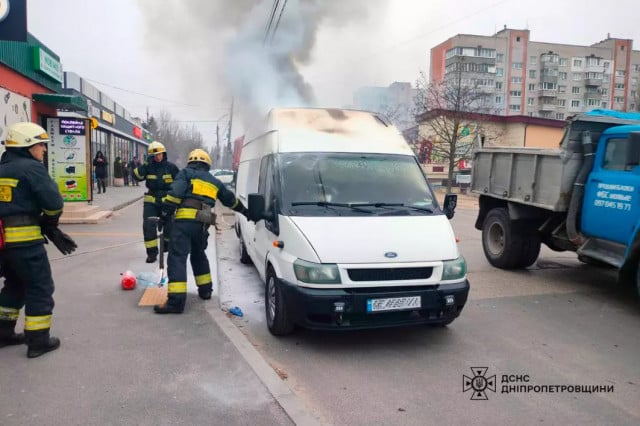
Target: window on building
{"x":620,"y":73}
{"x":514,"y":107}
{"x":559,"y":115}
{"x":619,"y":85}
{"x":606,"y":64}
{"x":604,"y":92}
{"x":516,"y":65}
{"x":532,"y":87}
{"x":575,"y":90}
{"x":518,"y":40}
{"x":564,"y":62}
{"x":593,"y":102}
{"x":562,"y":102}
{"x":636,"y":68}
{"x":500,"y":57}
{"x":549,"y":86}
{"x":619,"y":99}
{"x":529,"y":101}
{"x":577,"y":76}
{"x":499,"y":72}
{"x":604,"y":105}
{"x":516,"y":80}
{"x":562,"y":75}
{"x":533,"y":60}
{"x":532,"y":73}
{"x":562,"y":89}
{"x":577,"y":62}
{"x":593,"y":61}
{"x":516,"y":93}
{"x":575,"y":103}
{"x":498,"y":100}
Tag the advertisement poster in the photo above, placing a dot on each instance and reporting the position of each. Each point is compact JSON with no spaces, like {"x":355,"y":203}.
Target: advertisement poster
{"x":13,"y":109}
{"x":68,"y":156}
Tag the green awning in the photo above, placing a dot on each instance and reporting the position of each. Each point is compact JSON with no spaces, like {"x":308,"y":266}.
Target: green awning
{"x":61,"y":101}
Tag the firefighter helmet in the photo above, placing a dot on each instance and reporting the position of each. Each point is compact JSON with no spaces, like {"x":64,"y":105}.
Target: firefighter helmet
{"x":199,"y":155}
{"x":156,"y":147}
{"x":21,"y":135}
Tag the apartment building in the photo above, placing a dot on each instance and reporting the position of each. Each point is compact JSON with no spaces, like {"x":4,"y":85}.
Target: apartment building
{"x":396,"y":101}
{"x":548,"y":80}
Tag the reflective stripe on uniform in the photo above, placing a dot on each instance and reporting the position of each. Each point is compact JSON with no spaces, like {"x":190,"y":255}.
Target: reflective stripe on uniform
{"x":177,"y":287}
{"x":152,"y":177}
{"x":204,"y":188}
{"x":186,"y":213}
{"x":167,"y":178}
{"x":41,"y":322}
{"x":151,"y":243}
{"x":9,"y":314}
{"x":149,"y":199}
{"x":203,"y":279}
{"x":21,"y":234}
{"x":175,"y":200}
{"x":51,"y":212}
{"x":137,"y":173}
{"x":8,"y":182}
{"x":235,"y":204}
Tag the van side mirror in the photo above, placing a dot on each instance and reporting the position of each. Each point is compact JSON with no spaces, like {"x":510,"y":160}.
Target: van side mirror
{"x":450,"y":203}
{"x":256,"y":206}
{"x":633,"y":149}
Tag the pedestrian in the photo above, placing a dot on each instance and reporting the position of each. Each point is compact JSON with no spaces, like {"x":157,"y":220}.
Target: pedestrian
{"x":30,"y":206}
{"x":133,"y":164}
{"x":100,"y":168}
{"x":192,"y":198}
{"x":159,"y":174}
{"x":125,"y":171}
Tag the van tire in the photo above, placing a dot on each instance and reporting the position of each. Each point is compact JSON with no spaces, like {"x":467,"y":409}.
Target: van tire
{"x":244,"y":256}
{"x":275,"y":308}
{"x":507,"y":246}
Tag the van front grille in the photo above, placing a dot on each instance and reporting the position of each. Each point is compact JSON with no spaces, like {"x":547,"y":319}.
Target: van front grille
{"x":390,"y":274}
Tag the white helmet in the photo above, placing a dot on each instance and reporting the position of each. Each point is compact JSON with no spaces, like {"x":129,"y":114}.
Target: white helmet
{"x":21,"y":135}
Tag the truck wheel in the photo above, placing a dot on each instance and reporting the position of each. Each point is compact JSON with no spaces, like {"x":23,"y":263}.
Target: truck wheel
{"x":278,"y":320}
{"x":244,"y":256}
{"x":506,"y":247}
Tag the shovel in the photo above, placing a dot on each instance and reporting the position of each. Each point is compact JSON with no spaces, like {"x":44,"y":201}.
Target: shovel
{"x":156,"y":295}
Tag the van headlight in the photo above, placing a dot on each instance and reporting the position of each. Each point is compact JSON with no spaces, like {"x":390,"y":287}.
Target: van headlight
{"x":454,"y":269}
{"x":316,"y":273}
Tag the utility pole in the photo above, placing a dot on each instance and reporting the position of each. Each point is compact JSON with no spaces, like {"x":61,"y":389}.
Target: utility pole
{"x":228,"y":150}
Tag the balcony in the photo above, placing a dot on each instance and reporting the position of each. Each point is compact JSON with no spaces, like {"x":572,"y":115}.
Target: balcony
{"x":597,"y":82}
{"x":547,"y":93}
{"x":547,"y":107}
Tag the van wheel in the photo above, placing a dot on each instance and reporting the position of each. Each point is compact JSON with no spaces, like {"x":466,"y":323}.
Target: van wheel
{"x":244,"y":256}
{"x":505,"y":245}
{"x":278,"y":320}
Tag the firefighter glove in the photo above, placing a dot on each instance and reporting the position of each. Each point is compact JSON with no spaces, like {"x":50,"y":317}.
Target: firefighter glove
{"x":62,"y":241}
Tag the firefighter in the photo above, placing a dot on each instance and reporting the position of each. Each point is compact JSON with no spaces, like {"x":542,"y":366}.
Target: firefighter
{"x":159,"y":174}
{"x":30,"y":206}
{"x":192,"y":198}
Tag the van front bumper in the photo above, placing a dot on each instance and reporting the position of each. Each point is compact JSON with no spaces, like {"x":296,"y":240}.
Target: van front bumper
{"x":323,"y":309}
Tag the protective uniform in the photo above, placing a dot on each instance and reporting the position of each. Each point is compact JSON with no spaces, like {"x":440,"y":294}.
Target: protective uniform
{"x":30,"y":205}
{"x":192,"y":197}
{"x":159,"y":176}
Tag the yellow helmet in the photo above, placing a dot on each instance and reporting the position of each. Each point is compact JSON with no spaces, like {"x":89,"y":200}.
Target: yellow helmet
{"x":20,"y":135}
{"x":199,"y":155}
{"x":156,"y":147}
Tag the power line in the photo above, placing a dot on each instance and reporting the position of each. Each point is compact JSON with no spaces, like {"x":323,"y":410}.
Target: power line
{"x":278,"y":22}
{"x":273,"y":14}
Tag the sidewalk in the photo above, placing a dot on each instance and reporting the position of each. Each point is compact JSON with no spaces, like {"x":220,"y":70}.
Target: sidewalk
{"x":116,"y":198}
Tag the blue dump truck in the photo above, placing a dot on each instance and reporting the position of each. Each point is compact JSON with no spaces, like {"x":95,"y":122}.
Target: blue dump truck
{"x":583,"y":197}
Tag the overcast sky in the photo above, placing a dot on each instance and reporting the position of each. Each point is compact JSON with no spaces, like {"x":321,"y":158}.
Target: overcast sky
{"x":190,"y":56}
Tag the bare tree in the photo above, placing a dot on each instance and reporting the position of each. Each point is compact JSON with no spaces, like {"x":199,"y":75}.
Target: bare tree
{"x":447,"y":109}
{"x":179,"y":140}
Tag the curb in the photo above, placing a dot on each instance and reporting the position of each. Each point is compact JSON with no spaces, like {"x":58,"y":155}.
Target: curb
{"x":280,"y":391}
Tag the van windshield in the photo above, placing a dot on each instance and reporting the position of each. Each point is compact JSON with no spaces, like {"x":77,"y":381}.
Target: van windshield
{"x":348,"y":184}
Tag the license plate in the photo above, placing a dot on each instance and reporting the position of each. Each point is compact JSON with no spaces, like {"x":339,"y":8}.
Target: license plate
{"x":393,"y":304}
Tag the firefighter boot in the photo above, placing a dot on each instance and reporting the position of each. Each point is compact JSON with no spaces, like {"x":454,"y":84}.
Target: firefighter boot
{"x":151,"y":258}
{"x":41,"y":344}
{"x":204,"y":293}
{"x":167,"y":309}
{"x":8,"y":336}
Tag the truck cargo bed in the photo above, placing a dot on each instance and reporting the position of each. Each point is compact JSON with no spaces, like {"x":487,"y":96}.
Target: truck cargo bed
{"x":524,"y":175}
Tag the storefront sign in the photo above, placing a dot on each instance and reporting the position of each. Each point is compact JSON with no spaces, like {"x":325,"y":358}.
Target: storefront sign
{"x":108,"y":117}
{"x":13,"y":20}
{"x":69,"y":163}
{"x":47,"y":64}
{"x":13,"y":109}
{"x":137,"y":132}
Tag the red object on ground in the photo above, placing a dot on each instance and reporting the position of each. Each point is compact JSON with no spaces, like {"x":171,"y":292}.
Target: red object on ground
{"x":128,"y":281}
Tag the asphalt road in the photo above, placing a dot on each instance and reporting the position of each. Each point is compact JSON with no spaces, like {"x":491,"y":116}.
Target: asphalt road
{"x":558,"y":323}
{"x":120,"y":364}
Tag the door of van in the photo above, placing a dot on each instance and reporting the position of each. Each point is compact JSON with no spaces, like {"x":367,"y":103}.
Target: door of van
{"x":612,"y":201}
{"x":266,"y":231}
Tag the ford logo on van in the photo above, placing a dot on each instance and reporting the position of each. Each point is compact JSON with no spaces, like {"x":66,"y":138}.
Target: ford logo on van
{"x":391,"y":254}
